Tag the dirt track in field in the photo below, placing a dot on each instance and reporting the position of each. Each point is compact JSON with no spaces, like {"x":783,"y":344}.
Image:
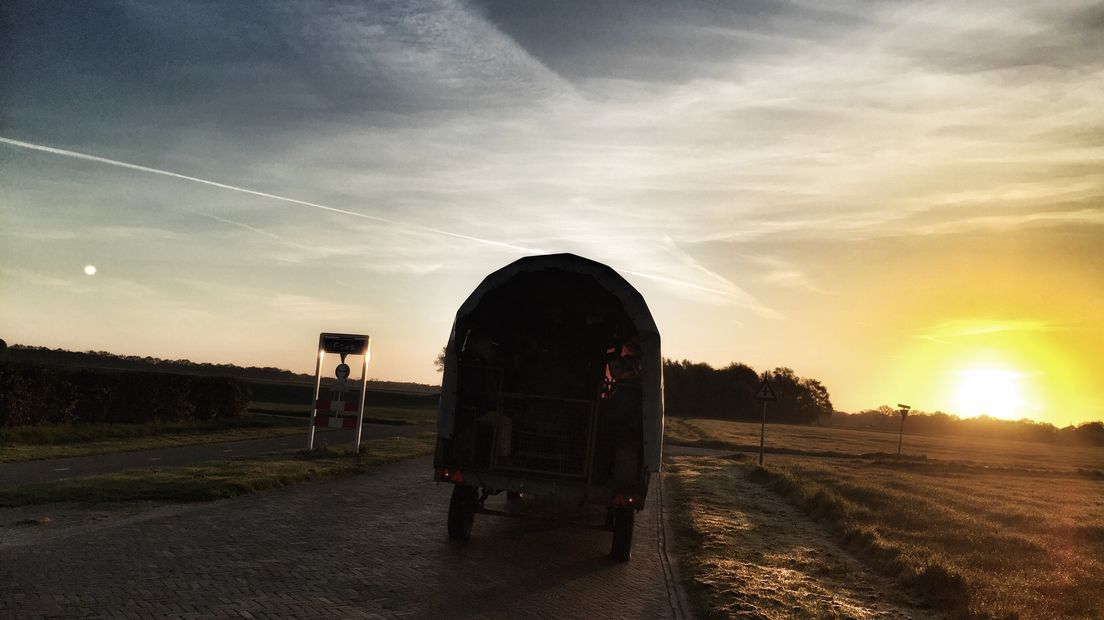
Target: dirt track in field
{"x":763,"y":558}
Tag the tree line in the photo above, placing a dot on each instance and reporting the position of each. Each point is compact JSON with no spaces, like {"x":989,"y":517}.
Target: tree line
{"x":32,"y":393}
{"x":886,"y":418}
{"x":107,"y":360}
{"x":695,"y":389}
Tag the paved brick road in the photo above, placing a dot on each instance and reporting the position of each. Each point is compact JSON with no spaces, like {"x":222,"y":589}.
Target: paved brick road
{"x":370,"y":546}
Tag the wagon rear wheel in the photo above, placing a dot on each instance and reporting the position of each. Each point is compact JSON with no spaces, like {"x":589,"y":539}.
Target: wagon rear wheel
{"x":623,"y":521}
{"x":461,"y":514}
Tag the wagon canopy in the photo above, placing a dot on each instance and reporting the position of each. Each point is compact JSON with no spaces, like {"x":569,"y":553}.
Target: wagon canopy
{"x":555,"y":283}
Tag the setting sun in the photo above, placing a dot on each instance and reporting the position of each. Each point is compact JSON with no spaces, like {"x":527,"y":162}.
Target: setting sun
{"x":989,"y":391}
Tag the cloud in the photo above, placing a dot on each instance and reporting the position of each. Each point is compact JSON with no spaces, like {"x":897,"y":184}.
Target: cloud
{"x":39,"y":278}
{"x":41,"y":235}
{"x":126,"y":233}
{"x":1090,"y":217}
{"x":679,"y":270}
{"x":977,"y":38}
{"x":103,"y":284}
{"x":262,"y":304}
{"x":266,"y":195}
{"x":962,"y":328}
{"x":657,"y":41}
{"x":434,"y":136}
{"x":778,"y":272}
{"x":270,"y":235}
{"x":305,"y":305}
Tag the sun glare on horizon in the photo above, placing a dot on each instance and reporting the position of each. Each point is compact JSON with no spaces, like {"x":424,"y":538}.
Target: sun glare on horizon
{"x":995,"y":392}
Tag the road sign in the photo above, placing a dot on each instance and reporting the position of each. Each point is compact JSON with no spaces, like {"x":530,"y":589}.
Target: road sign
{"x":327,"y":412}
{"x":904,"y":411}
{"x":342,"y":371}
{"x":345,"y":343}
{"x":765,"y":392}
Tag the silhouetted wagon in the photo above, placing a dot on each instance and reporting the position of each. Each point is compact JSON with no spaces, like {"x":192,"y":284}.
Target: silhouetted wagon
{"x":552,"y":391}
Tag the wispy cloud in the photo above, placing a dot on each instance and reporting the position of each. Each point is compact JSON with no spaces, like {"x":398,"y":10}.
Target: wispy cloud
{"x":719,"y":287}
{"x":706,"y":150}
{"x":713,"y":287}
{"x":1090,"y":217}
{"x":41,"y":235}
{"x":963,"y":328}
{"x":779,"y":272}
{"x":39,"y":278}
{"x":264,"y":233}
{"x":266,"y":195}
{"x":119,"y":287}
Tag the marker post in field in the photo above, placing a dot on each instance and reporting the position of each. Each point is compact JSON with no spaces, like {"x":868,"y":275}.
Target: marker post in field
{"x":903,"y":410}
{"x":765,"y":394}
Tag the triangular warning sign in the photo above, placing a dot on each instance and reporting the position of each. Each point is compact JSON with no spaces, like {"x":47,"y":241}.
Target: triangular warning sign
{"x":765,"y":392}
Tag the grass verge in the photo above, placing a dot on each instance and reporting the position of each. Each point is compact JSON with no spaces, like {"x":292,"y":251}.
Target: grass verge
{"x":50,"y":441}
{"x":373,"y":414}
{"x":219,"y":479}
{"x":53,"y":441}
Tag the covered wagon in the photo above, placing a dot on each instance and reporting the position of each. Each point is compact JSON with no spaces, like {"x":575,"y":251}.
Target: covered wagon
{"x":552,"y":391}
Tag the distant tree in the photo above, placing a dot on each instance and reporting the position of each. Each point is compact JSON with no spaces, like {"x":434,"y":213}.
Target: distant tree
{"x":439,"y":361}
{"x":739,"y":382}
{"x":819,"y":399}
{"x":1090,"y":433}
{"x":800,"y":400}
{"x":3,"y":347}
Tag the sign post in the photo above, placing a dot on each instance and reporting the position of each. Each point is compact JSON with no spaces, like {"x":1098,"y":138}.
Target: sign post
{"x":903,"y":410}
{"x":332,"y":408}
{"x":764,"y":394}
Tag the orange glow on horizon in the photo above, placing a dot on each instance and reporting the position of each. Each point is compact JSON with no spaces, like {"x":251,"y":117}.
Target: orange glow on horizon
{"x":1003,"y":369}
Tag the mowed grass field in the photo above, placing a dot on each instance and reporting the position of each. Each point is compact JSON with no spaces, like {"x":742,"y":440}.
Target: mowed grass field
{"x":973,"y":527}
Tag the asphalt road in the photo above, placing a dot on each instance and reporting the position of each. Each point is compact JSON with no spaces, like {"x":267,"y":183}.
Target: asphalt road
{"x":366,"y":546}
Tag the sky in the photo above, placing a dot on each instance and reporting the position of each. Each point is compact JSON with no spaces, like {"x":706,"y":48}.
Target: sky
{"x":904,"y":200}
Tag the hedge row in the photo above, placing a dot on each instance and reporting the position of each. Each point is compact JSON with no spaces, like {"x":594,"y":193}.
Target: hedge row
{"x":37,"y":394}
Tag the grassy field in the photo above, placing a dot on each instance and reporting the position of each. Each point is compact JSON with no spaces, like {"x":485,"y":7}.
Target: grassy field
{"x":49,"y":441}
{"x":219,"y":479}
{"x":842,"y":442}
{"x":975,"y":528}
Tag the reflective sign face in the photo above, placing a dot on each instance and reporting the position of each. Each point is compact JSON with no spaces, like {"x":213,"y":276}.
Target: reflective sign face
{"x":765,"y":392}
{"x":342,"y":371}
{"x":344,"y":343}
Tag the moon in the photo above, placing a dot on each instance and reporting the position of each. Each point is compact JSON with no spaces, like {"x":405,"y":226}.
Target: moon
{"x":90,"y":270}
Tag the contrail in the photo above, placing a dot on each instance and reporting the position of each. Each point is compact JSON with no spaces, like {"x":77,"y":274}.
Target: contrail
{"x":322,"y":207}
{"x":254,"y":229}
{"x":252,"y":192}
